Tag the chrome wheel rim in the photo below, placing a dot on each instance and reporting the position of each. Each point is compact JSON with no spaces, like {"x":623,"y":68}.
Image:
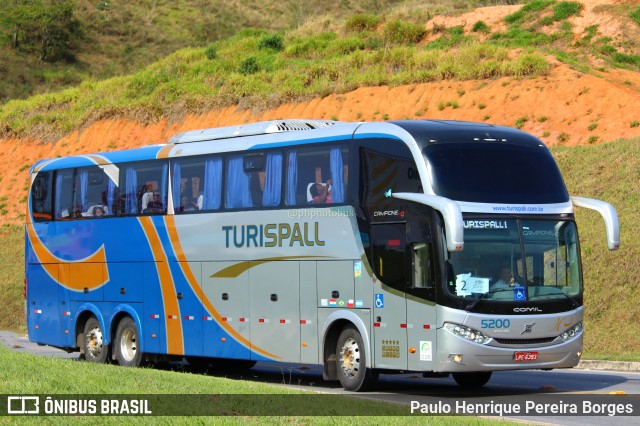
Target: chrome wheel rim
{"x":350,"y":358}
{"x":128,"y":345}
{"x":94,"y":342}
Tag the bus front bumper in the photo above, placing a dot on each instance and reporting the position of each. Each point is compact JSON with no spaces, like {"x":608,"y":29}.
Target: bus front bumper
{"x":456,"y":354}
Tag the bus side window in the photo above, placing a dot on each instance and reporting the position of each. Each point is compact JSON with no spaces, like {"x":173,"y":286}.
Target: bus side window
{"x":41,"y":197}
{"x":138,"y":179}
{"x":196,"y":184}
{"x":308,"y":167}
{"x":422,"y":265}
{"x":254,"y":180}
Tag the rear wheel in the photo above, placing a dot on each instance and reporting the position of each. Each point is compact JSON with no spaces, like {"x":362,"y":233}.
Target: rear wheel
{"x":351,"y":362}
{"x":126,"y":346}
{"x":472,"y":380}
{"x":94,"y":348}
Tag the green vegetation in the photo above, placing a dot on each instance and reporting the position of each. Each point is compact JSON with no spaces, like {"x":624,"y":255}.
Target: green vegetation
{"x":12,"y":278}
{"x":398,"y":32}
{"x":287,"y":69}
{"x":480,"y":27}
{"x":635,"y":15}
{"x":543,"y":24}
{"x":24,"y":374}
{"x":590,"y":171}
{"x":94,"y":40}
{"x":362,"y":22}
{"x":261,"y":69}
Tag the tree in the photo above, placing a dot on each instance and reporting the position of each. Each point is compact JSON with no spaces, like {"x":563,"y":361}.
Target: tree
{"x":43,"y":27}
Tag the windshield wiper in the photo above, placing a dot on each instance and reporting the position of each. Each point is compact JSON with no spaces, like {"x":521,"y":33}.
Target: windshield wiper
{"x":473,"y":304}
{"x":574,"y":304}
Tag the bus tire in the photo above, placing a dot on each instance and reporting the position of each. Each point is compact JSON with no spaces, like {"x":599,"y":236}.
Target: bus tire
{"x":94,"y":348}
{"x":472,"y":380}
{"x":127,"y":344}
{"x":351,"y":361}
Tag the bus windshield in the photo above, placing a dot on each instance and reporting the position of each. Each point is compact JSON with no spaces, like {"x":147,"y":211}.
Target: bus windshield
{"x":516,"y":260}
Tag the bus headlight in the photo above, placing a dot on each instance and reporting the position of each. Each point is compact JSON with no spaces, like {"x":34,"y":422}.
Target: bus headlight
{"x":572,"y":332}
{"x":467,"y":333}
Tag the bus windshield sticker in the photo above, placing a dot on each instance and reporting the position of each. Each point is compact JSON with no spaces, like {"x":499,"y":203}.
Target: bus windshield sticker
{"x":426,"y":350}
{"x":467,"y":284}
{"x":518,"y":294}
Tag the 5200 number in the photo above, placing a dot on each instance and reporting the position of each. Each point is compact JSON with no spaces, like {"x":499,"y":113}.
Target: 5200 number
{"x":498,"y":323}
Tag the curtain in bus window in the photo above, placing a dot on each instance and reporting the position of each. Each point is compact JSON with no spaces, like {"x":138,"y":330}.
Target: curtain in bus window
{"x":212,"y":184}
{"x":273,"y":180}
{"x":238,"y":193}
{"x":58,"y":195}
{"x":292,"y":178}
{"x":337,"y":175}
{"x":84,"y":184}
{"x":131,"y":201}
{"x":163,"y":185}
{"x":175,"y":185}
{"x":111,"y":189}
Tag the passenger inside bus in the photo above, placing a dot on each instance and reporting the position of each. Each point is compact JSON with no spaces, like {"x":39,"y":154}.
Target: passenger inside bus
{"x":155,"y":205}
{"x":186,"y":205}
{"x":320,"y":193}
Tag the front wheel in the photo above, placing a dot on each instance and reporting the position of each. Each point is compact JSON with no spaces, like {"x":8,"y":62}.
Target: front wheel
{"x":472,"y":380}
{"x":352,"y":362}
{"x":127,"y":344}
{"x":94,"y":348}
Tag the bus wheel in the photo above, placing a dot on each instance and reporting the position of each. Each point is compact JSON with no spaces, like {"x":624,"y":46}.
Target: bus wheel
{"x":351,"y":362}
{"x":472,"y":380}
{"x":126,"y":346}
{"x":94,"y":348}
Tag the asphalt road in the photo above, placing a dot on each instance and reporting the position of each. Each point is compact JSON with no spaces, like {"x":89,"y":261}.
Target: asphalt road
{"x":504,"y":388}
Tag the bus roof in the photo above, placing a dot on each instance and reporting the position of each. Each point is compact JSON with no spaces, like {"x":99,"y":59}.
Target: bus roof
{"x":283,"y":133}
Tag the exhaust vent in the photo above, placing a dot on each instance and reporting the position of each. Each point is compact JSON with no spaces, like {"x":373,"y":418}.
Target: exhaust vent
{"x":254,"y":129}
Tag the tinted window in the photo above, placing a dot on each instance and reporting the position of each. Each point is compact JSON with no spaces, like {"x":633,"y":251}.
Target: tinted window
{"x":389,"y":254}
{"x":386,"y":165}
{"x":495,"y":173}
{"x":317,"y":175}
{"x":86,"y":192}
{"x":144,"y":188}
{"x":254,"y":180}
{"x":41,"y":197}
{"x":196,"y":184}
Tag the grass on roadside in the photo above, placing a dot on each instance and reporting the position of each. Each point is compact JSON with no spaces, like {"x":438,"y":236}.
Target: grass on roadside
{"x":25,"y":374}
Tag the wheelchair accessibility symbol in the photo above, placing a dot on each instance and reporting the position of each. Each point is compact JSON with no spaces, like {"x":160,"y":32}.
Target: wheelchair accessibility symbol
{"x":519,"y":294}
{"x":379,"y":298}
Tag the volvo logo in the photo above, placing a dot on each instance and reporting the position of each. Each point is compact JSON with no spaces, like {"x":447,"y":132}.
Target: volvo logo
{"x":530,"y":309}
{"x":527,"y":328}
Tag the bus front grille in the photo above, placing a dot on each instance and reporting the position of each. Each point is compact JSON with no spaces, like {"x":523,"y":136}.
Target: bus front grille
{"x":525,"y":341}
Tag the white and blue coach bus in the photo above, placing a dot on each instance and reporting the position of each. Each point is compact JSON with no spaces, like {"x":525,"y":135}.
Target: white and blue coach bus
{"x":438,"y":247}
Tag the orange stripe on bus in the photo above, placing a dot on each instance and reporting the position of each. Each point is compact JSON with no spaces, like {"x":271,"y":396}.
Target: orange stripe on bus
{"x":90,"y":272}
{"x":193,"y":282}
{"x":164,"y":151}
{"x":175,"y":344}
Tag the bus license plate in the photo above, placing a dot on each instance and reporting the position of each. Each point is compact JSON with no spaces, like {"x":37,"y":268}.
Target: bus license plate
{"x":525,"y":356}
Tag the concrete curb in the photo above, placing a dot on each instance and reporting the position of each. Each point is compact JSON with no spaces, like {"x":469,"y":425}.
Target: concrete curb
{"x":627,"y":366}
